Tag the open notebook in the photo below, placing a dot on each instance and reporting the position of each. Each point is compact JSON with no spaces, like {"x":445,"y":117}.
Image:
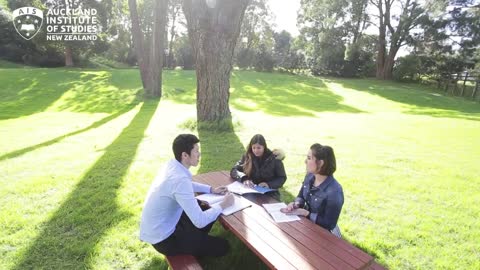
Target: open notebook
{"x":239,"y":188}
{"x":212,"y":199}
{"x":274,"y":210}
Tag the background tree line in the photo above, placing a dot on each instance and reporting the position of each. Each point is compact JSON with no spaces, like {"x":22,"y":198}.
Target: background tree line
{"x":350,"y":38}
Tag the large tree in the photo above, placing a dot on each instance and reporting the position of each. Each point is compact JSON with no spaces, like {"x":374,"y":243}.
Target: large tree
{"x":139,"y":45}
{"x":256,"y":32}
{"x":354,"y":64}
{"x":158,"y":47}
{"x":448,"y":42}
{"x":175,"y":16}
{"x":282,"y":48}
{"x":409,"y":18}
{"x":324,"y":26}
{"x":213,"y":28}
{"x":150,"y":50}
{"x":333,"y":34}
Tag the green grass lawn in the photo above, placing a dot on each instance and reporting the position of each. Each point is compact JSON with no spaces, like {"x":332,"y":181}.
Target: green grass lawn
{"x":79,"y":149}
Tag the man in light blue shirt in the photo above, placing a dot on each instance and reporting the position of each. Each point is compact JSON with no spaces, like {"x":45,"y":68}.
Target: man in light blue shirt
{"x":172,"y":221}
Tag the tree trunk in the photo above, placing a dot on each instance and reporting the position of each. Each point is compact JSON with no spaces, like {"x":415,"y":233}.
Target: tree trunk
{"x":68,"y":56}
{"x":213,"y":32}
{"x":408,"y":19}
{"x":157,"y":49}
{"x":388,"y":68}
{"x":389,"y":62}
{"x":139,"y":46}
{"x":381,"y":59}
{"x":381,"y":45}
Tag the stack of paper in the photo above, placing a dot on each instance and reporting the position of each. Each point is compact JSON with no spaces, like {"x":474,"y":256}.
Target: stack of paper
{"x":213,"y":199}
{"x":239,"y":188}
{"x":274,"y":210}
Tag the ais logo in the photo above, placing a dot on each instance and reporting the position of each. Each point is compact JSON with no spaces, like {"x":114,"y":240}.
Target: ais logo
{"x":27,"y":21}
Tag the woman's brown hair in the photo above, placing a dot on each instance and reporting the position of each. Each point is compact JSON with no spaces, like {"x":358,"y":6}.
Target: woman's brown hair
{"x":247,"y":165}
{"x":325,"y":153}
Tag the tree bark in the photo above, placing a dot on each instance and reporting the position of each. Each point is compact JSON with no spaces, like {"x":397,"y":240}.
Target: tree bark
{"x":388,"y":67}
{"x":157,"y":49}
{"x":139,"y":46}
{"x":68,"y":56}
{"x":213,"y":31}
{"x":408,"y":19}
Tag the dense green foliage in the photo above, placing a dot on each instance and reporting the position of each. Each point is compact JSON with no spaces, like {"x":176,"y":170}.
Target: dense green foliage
{"x":335,"y":38}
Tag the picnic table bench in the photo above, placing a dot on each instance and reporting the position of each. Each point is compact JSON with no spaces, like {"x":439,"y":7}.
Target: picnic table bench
{"x":291,"y":245}
{"x":184,"y":262}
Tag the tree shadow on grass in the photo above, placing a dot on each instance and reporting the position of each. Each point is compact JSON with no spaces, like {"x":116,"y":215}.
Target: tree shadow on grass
{"x":102,"y":91}
{"x":97,"y":124}
{"x":284,"y":95}
{"x":68,"y":239}
{"x":272,"y":93}
{"x":180,"y":86}
{"x":424,"y":100}
{"x":220,"y":149}
{"x":29,"y":91}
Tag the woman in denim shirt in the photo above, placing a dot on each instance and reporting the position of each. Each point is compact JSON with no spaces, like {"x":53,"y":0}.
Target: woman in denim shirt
{"x":321,"y":197}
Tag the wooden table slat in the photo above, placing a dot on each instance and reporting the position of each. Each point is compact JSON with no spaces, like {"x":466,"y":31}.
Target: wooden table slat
{"x":298,"y":232}
{"x":184,"y":262}
{"x":268,"y":255}
{"x":361,"y":255}
{"x":296,"y":252}
{"x":337,"y":256}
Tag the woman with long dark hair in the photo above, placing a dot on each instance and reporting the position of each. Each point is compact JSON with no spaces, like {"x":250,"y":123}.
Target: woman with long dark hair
{"x":260,"y":166}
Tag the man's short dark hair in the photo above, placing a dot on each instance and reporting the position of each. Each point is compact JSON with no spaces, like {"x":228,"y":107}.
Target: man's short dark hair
{"x":183,"y":143}
{"x":325,"y":153}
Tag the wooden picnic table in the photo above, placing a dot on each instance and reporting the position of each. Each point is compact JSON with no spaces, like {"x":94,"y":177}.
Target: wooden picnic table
{"x":290,"y":245}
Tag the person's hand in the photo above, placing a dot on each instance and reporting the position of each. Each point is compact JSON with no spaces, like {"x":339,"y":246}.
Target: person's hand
{"x":263,"y":184}
{"x":249,"y":183}
{"x":227,"y":201}
{"x":220,"y":190}
{"x":299,"y":212}
{"x":289,"y":208}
